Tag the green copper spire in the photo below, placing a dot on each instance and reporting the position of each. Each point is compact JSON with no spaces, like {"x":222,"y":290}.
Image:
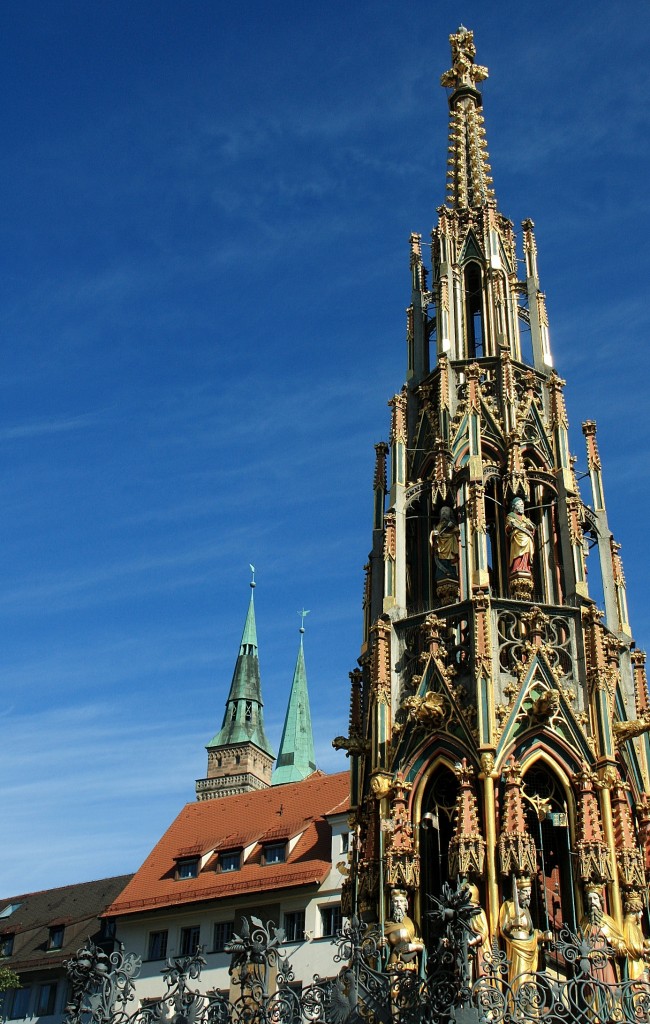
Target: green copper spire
{"x":296,"y":759}
{"x":243,"y":721}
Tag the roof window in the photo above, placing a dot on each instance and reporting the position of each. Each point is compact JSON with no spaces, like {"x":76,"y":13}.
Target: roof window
{"x":229,"y":860}
{"x":9,"y":909}
{"x":187,"y":867}
{"x":55,"y":939}
{"x":275,"y":853}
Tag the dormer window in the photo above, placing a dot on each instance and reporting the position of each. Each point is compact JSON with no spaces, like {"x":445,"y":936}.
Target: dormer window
{"x":55,"y":939}
{"x":229,"y":860}
{"x":6,"y":945}
{"x":275,"y":853}
{"x":187,"y":867}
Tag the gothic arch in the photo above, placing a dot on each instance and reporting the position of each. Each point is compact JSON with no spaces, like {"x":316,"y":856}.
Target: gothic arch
{"x":474,"y":309}
{"x":533,"y":458}
{"x":432,"y":812}
{"x":547,"y":746}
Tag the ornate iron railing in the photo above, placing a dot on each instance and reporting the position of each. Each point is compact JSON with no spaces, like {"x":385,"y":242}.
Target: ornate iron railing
{"x":449,"y":986}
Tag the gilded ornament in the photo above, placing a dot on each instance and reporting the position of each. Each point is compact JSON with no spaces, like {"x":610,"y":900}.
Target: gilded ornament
{"x":624,"y":731}
{"x":546,"y":707}
{"x":430,"y":710}
{"x":380,"y":784}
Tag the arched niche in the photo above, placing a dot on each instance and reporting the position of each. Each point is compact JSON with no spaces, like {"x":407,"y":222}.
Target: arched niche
{"x":541,"y":508}
{"x":474,"y":311}
{"x":495,"y":527}
{"x":420,"y":590}
{"x":550,"y":810}
{"x":433,"y":816}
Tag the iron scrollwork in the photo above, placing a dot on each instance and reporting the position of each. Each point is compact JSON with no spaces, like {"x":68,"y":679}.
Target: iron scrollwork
{"x":580,"y":983}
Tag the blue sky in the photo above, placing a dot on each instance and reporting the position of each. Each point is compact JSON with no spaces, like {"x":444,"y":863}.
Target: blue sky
{"x":206,"y":211}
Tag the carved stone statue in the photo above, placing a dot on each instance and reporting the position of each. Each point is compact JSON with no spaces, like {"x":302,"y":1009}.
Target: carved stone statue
{"x":444,"y":544}
{"x":520,"y":532}
{"x":597,"y":923}
{"x":521,"y":937}
{"x":637,"y":947}
{"x":400,"y":935}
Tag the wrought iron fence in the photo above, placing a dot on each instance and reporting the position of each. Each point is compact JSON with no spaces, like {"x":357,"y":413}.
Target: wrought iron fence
{"x":450,"y":985}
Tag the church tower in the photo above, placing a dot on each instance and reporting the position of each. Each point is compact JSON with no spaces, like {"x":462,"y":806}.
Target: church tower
{"x":296,"y":759}
{"x":240,"y":757}
{"x":499,"y":719}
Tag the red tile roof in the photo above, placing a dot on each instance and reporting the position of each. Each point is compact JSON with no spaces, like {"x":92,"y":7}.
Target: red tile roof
{"x":295,"y":809}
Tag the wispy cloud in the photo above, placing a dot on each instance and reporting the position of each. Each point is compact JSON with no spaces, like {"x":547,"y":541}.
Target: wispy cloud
{"x":44,"y":428}
{"x":37,"y":802}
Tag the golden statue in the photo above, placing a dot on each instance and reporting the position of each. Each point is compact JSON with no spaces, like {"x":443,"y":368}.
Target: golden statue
{"x":637,"y":947}
{"x":521,"y":937}
{"x":400,"y":936}
{"x":479,"y":944}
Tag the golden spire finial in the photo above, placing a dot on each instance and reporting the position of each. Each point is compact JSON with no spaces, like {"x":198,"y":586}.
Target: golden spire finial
{"x":464,"y":71}
{"x":470,"y":183}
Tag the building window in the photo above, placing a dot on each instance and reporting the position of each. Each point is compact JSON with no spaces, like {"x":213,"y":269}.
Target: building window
{"x":149,"y":1003}
{"x":223,"y":933}
{"x":157,"y":946}
{"x":190,"y":940}
{"x":45,"y":999}
{"x":294,"y":926}
{"x":331,"y":919}
{"x":6,"y":945}
{"x":275,"y":853}
{"x":345,"y":842}
{"x":230,"y":861}
{"x":9,"y":909}
{"x":249,"y":710}
{"x":222,"y":995}
{"x":188,"y":868}
{"x":55,"y":940}
{"x":107,"y":928}
{"x":20,"y":1003}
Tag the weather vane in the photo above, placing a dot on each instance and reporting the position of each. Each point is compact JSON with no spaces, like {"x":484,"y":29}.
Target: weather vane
{"x":303,"y":614}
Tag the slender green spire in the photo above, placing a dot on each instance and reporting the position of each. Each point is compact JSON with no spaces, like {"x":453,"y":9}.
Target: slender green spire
{"x":243,"y":720}
{"x":249,"y":636}
{"x":296,"y":759}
